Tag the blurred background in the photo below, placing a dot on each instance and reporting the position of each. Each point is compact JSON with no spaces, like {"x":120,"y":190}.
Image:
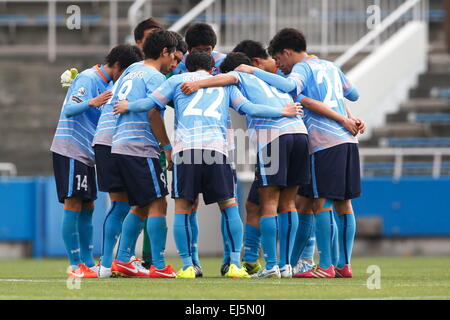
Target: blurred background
{"x":395,"y":51}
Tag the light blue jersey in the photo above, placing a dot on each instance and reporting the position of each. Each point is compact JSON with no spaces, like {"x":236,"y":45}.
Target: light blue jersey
{"x":75,"y":130}
{"x":133,"y":133}
{"x":264,"y":130}
{"x":218,"y":59}
{"x":322,"y":80}
{"x":201,"y":119}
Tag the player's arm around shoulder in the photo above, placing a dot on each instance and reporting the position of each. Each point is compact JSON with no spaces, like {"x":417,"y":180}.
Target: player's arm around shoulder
{"x":83,"y":96}
{"x":219,"y":80}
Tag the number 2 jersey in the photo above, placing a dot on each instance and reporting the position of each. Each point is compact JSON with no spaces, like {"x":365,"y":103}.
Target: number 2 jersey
{"x":201,"y":119}
{"x":74,"y":134}
{"x":133,"y":134}
{"x":324,"y":81}
{"x":263,"y":130}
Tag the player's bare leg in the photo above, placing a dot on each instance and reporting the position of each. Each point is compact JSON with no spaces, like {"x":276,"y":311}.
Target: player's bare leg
{"x":288,"y":225}
{"x":346,"y":234}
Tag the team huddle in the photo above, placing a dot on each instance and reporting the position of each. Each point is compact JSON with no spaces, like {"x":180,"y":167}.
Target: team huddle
{"x":111,"y":133}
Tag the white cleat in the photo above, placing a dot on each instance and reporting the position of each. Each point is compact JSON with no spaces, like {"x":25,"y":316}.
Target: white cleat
{"x":303,"y":265}
{"x":272,"y":273}
{"x":286,"y":271}
{"x":95,"y":268}
{"x":104,"y":272}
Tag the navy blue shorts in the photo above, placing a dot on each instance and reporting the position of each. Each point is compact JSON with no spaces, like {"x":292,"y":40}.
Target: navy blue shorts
{"x":284,"y":162}
{"x":142,"y":177}
{"x":253,"y":195}
{"x":108,"y":173}
{"x":74,"y":179}
{"x":214,"y":179}
{"x":335,"y":173}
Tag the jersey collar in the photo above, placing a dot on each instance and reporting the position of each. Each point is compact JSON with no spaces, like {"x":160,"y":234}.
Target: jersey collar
{"x":311,"y":56}
{"x":102,"y":73}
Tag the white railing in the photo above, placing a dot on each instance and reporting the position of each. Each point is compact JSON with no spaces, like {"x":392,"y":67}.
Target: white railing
{"x":8,"y":169}
{"x":398,"y":155}
{"x":51,"y":20}
{"x":388,"y":155}
{"x":418,"y":8}
{"x":329,"y":25}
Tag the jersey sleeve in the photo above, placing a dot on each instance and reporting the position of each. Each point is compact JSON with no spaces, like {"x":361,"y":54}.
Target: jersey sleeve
{"x":237,"y":75}
{"x":300,"y":74}
{"x":237,"y":99}
{"x":82,"y":90}
{"x":350,"y":91}
{"x":164,"y":93}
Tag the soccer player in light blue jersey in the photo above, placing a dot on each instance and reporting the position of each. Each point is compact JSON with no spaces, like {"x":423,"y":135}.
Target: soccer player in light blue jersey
{"x":201,"y":134}
{"x":201,"y":37}
{"x":333,"y":145}
{"x":73,"y":156}
{"x":135,"y":149}
{"x":293,"y":168}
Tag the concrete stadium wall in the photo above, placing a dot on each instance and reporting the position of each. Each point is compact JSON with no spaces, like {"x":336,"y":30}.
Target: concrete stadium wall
{"x":384,"y":77}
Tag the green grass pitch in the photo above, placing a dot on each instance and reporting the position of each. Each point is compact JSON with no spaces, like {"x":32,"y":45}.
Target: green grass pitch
{"x":401,"y":278}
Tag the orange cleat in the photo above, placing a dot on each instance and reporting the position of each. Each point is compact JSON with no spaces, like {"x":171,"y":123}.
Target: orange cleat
{"x":131,"y":269}
{"x":167,"y":272}
{"x":82,"y":272}
{"x":317,"y":272}
{"x":345,"y":272}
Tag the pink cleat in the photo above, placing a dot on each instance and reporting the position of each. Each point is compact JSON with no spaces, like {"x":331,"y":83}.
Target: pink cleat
{"x":345,"y":272}
{"x":317,"y":272}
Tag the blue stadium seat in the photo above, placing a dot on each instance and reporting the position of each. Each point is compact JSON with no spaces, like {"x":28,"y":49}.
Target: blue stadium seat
{"x":432,"y":117}
{"x":417,"y":142}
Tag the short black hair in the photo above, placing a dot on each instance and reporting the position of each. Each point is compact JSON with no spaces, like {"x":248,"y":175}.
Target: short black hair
{"x":200,"y":34}
{"x":149,"y":23}
{"x":199,"y":60}
{"x":252,"y":49}
{"x":157,"y":41}
{"x":181,"y":45}
{"x":234,"y":59}
{"x":125,"y":55}
{"x":287,"y":38}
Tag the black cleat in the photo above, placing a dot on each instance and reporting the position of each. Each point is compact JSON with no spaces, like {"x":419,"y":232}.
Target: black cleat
{"x":224,"y":269}
{"x":198,"y":271}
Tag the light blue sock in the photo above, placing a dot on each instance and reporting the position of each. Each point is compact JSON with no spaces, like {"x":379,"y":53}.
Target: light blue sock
{"x":157,"y":232}
{"x":324,"y":235}
{"x":235,"y":233}
{"x":308,"y":251}
{"x":112,"y":227}
{"x":347,"y":230}
{"x":131,"y":228}
{"x":335,"y":248}
{"x":305,"y":227}
{"x":226,"y":243}
{"x":252,"y":243}
{"x":269,"y":231}
{"x":182,"y":236}
{"x":288,"y":225}
{"x":193,"y":220}
{"x":71,"y":237}
{"x":86,"y":230}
